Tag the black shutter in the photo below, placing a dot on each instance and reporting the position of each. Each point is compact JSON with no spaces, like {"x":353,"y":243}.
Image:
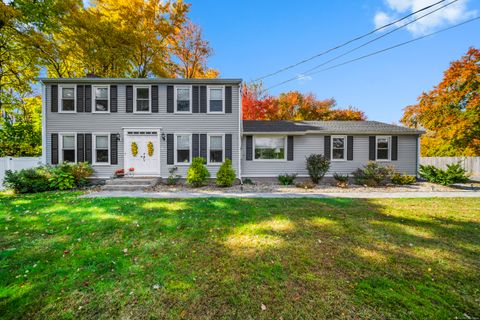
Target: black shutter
{"x":196,"y":99}
{"x":54,"y":148}
{"x":88,"y":98}
{"x":371,"y":148}
{"x":290,"y":148}
{"x":88,"y":147}
{"x":113,"y":148}
{"x":155,"y":99}
{"x":129,"y":106}
{"x":249,"y":147}
{"x":394,"y":148}
{"x":350,"y":148}
{"x":326,"y":147}
{"x":195,"y":145}
{"x":203,"y":146}
{"x":54,"y":98}
{"x":80,"y":98}
{"x":170,"y":144}
{"x":203,"y":99}
{"x":80,"y":147}
{"x":113,"y":99}
{"x":228,"y":146}
{"x":170,"y":99}
{"x":228,"y":99}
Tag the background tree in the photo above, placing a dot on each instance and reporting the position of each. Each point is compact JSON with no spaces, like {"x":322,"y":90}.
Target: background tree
{"x":450,"y":112}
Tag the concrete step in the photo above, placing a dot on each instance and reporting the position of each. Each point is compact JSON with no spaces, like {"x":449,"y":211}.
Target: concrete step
{"x":127,"y":187}
{"x":131,"y":181}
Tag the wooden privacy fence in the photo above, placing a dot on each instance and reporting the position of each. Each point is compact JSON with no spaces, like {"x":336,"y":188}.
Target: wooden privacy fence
{"x":14,"y":164}
{"x":470,"y":164}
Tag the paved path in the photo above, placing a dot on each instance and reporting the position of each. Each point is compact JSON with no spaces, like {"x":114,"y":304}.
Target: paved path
{"x":363,"y":195}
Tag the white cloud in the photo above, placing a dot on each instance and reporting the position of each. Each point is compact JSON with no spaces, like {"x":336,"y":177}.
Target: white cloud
{"x":452,"y":14}
{"x":304,"y":77}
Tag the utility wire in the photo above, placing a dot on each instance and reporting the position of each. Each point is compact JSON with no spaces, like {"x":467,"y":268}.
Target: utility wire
{"x":377,"y":52}
{"x":346,"y":43}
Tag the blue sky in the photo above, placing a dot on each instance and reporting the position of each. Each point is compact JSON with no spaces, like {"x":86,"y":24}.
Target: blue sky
{"x":253,"y":38}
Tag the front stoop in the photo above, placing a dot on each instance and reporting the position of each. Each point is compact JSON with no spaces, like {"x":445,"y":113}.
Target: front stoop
{"x":130,"y":184}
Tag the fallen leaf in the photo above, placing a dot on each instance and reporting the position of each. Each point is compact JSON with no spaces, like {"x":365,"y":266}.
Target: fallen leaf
{"x":264,"y":307}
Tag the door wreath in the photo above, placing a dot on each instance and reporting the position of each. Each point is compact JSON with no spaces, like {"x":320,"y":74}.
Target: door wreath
{"x":150,"y":148}
{"x":134,"y":149}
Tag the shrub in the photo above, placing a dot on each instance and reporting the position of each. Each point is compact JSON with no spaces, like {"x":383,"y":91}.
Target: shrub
{"x":317,"y":166}
{"x":27,"y":180}
{"x":173,"y":177}
{"x":287,"y":179}
{"x":454,"y":174}
{"x":372,"y":175}
{"x":226,"y":175}
{"x":402,"y":179}
{"x":197,"y":174}
{"x":247,"y":181}
{"x":342,"y":180}
{"x":81,"y":171}
{"x":61,"y":180}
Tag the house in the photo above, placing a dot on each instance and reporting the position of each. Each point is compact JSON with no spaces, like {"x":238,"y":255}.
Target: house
{"x":153,"y":125}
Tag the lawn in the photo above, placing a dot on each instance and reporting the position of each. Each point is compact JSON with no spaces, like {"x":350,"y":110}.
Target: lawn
{"x":63,"y":257}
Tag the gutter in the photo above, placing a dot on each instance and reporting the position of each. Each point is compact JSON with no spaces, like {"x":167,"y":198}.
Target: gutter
{"x":140,"y":80}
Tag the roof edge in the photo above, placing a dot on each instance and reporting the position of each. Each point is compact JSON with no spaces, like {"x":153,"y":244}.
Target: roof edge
{"x":140,"y":80}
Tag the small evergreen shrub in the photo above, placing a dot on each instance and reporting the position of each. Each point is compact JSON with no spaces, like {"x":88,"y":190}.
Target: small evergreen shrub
{"x":317,"y":167}
{"x":247,"y":181}
{"x":27,"y":180}
{"x":287,"y":179}
{"x":454,"y":174}
{"x":402,"y":179}
{"x":198,"y":173}
{"x":173,"y":177}
{"x":226,"y":175}
{"x":372,"y":175}
{"x":341,"y":180}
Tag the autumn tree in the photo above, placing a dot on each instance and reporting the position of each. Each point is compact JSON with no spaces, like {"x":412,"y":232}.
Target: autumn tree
{"x":450,"y":112}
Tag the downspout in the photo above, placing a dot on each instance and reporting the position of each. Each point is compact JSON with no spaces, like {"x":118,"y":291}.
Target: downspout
{"x":44,"y":123}
{"x":240,"y":132}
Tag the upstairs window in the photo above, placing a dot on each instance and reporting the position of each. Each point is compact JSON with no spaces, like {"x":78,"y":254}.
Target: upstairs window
{"x":183,"y":148}
{"x":215,"y":100}
{"x":270,"y":148}
{"x":142,"y":99}
{"x":215,"y":154}
{"x":183,"y":99}
{"x":68,"y":147}
{"x":67,"y":101}
{"x":383,"y":148}
{"x":101,"y":99}
{"x":338,"y":148}
{"x":101,"y":148}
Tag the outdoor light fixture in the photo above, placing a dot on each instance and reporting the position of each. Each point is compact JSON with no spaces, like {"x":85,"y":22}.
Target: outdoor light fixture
{"x":163,"y":136}
{"x":117,"y":136}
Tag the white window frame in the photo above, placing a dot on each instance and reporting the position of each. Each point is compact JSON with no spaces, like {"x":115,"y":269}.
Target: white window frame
{"x":389,"y":150}
{"x":190,"y":88}
{"x":344,"y":148}
{"x":94,"y":148}
{"x":208,"y":148}
{"x":223,"y":99}
{"x":271,"y":160}
{"x":149,"y":87}
{"x":94,"y":98}
{"x":175,"y":149}
{"x":60,"y":145}
{"x":60,"y":97}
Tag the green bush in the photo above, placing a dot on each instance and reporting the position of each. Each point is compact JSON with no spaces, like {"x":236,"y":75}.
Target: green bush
{"x":402,"y":179}
{"x":287,"y":179}
{"x":197,"y":174}
{"x":454,"y":174}
{"x":173,"y":177}
{"x":248,"y":181}
{"x":226,"y":175}
{"x":372,"y":175}
{"x":341,"y":180}
{"x":80,"y":171}
{"x":317,"y":167}
{"x":27,"y":180}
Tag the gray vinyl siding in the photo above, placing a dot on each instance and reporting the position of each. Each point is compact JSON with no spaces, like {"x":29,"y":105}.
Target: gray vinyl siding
{"x":169,"y":123}
{"x":314,"y":143}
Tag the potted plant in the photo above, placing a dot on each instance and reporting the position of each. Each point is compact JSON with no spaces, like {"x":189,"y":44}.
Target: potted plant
{"x":120,"y":173}
{"x":131,"y":171}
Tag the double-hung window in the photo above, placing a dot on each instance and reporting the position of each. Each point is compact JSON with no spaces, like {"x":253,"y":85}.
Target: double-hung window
{"x":101,"y":147}
{"x":216,"y":149}
{"x":183,"y":99}
{"x":338,"y":147}
{"x":68,"y":147}
{"x":101,"y":98}
{"x":183,"y":146}
{"x":216,"y":99}
{"x":269,"y":148}
{"x":142,"y":99}
{"x":67,"y":98}
{"x":383,"y":148}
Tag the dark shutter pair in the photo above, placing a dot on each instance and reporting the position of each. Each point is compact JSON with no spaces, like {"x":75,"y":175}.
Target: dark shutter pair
{"x":372,"y":148}
{"x":199,"y":99}
{"x":249,"y":148}
{"x":327,"y":147}
{"x":153,"y":99}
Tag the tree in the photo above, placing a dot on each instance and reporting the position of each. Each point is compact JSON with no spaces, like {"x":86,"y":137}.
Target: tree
{"x":450,"y":112}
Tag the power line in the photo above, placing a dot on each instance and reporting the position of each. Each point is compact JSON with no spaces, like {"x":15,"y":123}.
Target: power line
{"x":346,"y":43}
{"x":377,"y":52}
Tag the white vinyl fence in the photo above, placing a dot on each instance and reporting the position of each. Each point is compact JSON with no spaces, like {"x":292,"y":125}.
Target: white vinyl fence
{"x":14,"y":164}
{"x":470,"y":164}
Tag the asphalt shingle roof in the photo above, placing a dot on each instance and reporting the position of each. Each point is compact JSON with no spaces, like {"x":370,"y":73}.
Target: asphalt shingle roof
{"x":333,"y":127}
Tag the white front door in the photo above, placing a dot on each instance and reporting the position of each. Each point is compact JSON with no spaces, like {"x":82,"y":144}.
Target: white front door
{"x":142,"y":151}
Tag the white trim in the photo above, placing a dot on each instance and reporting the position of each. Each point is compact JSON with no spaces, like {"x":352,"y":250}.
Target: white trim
{"x":94,"y":148}
{"x":44,"y":123}
{"x":208,"y":148}
{"x":389,"y":150}
{"x":94,"y":98}
{"x":175,"y":88}
{"x":175,"y":149}
{"x":344,"y":148}
{"x":60,"y":144}
{"x":135,"y":87}
{"x":60,"y":97}
{"x":285,"y":149}
{"x":223,"y":99}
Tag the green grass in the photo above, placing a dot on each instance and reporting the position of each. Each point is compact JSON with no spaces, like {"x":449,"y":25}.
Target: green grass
{"x":67,"y":258}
